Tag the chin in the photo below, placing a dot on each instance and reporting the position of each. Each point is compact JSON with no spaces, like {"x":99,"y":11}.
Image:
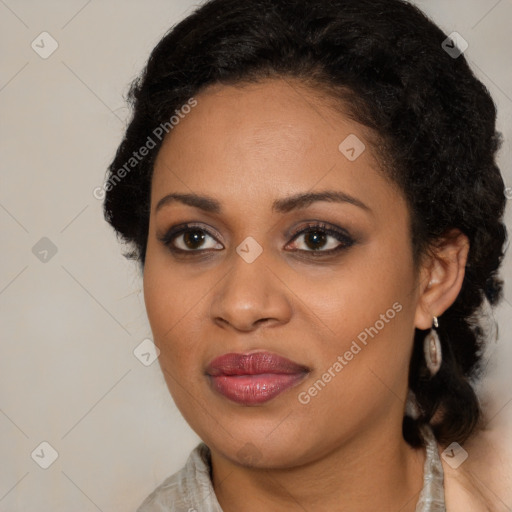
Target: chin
{"x":260,"y":444}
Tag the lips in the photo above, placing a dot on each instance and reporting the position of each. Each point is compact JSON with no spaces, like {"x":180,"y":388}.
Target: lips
{"x":255,"y":378}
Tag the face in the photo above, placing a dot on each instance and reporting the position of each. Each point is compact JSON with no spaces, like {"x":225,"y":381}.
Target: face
{"x":312,"y":300}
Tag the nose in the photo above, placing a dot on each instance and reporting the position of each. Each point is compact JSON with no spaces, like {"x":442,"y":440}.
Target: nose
{"x":251,"y":294}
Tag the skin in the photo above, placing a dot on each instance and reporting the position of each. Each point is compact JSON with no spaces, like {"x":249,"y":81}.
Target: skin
{"x":246,"y":147}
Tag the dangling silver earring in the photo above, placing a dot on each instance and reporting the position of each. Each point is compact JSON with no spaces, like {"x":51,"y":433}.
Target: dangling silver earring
{"x":432,"y":350}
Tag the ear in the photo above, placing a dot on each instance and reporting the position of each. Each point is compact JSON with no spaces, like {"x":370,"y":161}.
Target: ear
{"x":441,"y":277}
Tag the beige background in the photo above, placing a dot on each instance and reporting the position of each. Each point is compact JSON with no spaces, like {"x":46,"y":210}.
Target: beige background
{"x":68,"y":375}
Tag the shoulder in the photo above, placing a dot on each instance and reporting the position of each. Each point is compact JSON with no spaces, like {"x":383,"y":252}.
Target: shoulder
{"x":163,"y":497}
{"x":483,"y":481}
{"x":183,"y":490}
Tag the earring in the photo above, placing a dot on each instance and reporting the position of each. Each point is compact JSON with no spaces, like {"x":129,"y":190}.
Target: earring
{"x":432,"y":350}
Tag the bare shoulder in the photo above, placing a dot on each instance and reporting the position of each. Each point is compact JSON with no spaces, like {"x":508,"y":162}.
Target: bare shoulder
{"x":483,"y":481}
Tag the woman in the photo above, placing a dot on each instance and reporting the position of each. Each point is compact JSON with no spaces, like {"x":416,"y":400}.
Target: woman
{"x":310,"y":188}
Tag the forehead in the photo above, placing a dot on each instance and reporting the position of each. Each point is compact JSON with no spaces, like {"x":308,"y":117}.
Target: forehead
{"x":272,"y":138}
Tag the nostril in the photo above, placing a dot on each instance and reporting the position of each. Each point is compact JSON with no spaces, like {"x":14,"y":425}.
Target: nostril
{"x":261,"y":320}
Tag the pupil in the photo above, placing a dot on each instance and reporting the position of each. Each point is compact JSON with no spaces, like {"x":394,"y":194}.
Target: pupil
{"x":193,"y":238}
{"x":316,"y":237}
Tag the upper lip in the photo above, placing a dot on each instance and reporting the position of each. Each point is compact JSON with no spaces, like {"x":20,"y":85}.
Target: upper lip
{"x":253,"y":363}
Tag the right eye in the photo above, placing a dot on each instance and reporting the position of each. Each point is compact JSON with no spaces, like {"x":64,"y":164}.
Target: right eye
{"x":189,"y":238}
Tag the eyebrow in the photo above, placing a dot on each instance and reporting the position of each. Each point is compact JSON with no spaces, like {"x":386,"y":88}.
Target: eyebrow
{"x":284,"y":205}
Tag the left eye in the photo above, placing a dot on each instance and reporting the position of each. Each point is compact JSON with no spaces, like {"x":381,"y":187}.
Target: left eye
{"x":320,"y":238}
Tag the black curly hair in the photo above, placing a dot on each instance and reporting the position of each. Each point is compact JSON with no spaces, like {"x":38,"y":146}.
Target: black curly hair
{"x":434,"y":122}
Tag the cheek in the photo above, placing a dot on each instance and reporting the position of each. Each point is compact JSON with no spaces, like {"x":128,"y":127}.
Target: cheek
{"x":367,"y":309}
{"x":162,"y":304}
{"x":376,"y":280}
{"x":174,"y":307}
{"x":175,"y":312}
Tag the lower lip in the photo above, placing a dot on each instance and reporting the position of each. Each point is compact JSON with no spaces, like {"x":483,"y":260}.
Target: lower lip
{"x":254,"y":389}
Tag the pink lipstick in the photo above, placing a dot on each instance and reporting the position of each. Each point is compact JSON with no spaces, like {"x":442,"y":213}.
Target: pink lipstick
{"x":255,"y":378}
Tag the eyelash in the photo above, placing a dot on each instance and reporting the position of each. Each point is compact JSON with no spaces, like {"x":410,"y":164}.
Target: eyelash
{"x":341,"y":235}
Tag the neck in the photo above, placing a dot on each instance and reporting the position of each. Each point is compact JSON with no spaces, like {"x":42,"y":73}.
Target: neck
{"x":380,"y":472}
